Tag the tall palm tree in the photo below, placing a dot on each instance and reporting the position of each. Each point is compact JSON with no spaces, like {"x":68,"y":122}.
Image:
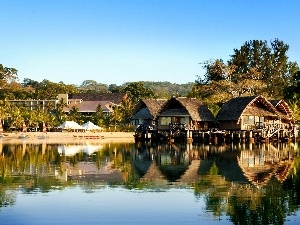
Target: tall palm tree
{"x":59,"y":111}
{"x":74,"y":114}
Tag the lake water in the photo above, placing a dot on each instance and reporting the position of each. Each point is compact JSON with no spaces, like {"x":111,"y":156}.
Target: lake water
{"x":148,"y":183}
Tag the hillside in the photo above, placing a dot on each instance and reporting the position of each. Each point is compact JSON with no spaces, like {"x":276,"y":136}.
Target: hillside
{"x":167,"y":89}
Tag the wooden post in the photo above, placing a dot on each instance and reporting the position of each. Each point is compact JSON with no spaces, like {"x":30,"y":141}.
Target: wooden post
{"x":250,"y":146}
{"x":215,"y":138}
{"x":232,"y":135}
{"x":189,"y":136}
{"x":239,"y":136}
{"x":243,"y":135}
{"x":188,"y":147}
{"x":202,"y":136}
{"x":243,"y":146}
{"x":251,"y":139}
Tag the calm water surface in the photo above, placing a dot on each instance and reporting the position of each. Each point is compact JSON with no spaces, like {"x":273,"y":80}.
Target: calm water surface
{"x":147,"y":183}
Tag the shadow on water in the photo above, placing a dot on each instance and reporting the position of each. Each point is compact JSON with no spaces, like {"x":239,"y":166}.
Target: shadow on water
{"x":257,"y":183}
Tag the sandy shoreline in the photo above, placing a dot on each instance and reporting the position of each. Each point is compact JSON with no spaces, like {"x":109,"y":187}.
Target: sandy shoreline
{"x":68,"y":137}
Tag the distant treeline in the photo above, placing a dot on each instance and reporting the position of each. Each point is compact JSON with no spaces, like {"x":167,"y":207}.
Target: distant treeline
{"x":167,"y":89}
{"x":31,"y":89}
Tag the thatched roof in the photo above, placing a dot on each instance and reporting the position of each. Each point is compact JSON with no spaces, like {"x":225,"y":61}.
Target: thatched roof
{"x":250,"y":105}
{"x":148,"y":108}
{"x":283,"y":108}
{"x":116,"y":98}
{"x":187,"y":106}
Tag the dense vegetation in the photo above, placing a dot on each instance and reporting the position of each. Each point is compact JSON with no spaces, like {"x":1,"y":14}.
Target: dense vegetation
{"x":254,"y":68}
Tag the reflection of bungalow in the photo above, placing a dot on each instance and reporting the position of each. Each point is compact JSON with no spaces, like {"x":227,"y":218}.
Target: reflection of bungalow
{"x":191,"y":174}
{"x":185,"y":113}
{"x":154,"y":175}
{"x":172,"y":166}
{"x":90,"y":172}
{"x":255,"y":169}
{"x":145,"y":112}
{"x":247,"y":113}
{"x":260,"y":167}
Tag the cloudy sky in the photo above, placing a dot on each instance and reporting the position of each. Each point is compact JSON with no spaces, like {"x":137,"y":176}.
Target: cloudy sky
{"x":118,"y":41}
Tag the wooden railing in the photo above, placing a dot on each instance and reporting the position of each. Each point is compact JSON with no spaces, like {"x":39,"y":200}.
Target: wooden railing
{"x":265,"y":126}
{"x":145,"y":127}
{"x":180,"y":126}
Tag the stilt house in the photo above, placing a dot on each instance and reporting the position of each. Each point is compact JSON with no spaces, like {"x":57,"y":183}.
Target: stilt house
{"x":145,"y":113}
{"x":247,"y":113}
{"x":184,"y":113}
{"x":286,"y":115}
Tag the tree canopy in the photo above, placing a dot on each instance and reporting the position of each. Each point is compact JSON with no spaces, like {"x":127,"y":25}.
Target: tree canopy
{"x":292,"y":94}
{"x":7,"y":75}
{"x":254,"y":68}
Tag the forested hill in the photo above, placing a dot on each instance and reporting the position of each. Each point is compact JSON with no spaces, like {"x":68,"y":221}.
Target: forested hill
{"x":31,"y":89}
{"x":167,"y":89}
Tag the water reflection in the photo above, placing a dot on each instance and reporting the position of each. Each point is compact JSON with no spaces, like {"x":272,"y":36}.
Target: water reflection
{"x":244,"y":181}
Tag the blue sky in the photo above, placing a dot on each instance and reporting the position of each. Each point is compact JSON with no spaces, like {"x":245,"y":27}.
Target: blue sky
{"x":118,"y":41}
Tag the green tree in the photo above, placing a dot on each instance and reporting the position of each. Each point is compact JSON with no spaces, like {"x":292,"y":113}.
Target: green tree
{"x":116,"y":116}
{"x":98,"y":116}
{"x":7,"y":75}
{"x":292,"y":95}
{"x":92,"y":86}
{"x":253,"y":69}
{"x":126,"y":109}
{"x":59,"y":111}
{"x":75,"y":115}
{"x":271,"y":62}
{"x":15,"y":117}
{"x":49,"y":90}
{"x":114,"y":88}
{"x":136,"y":91}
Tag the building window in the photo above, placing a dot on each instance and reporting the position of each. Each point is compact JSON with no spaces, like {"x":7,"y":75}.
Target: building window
{"x":251,"y":120}
{"x":165,"y":120}
{"x":184,"y":120}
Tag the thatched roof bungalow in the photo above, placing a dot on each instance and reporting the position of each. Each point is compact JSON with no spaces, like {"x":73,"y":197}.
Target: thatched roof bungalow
{"x":146,"y":111}
{"x":246,"y":113}
{"x":189,"y":113}
{"x":284,"y":110}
